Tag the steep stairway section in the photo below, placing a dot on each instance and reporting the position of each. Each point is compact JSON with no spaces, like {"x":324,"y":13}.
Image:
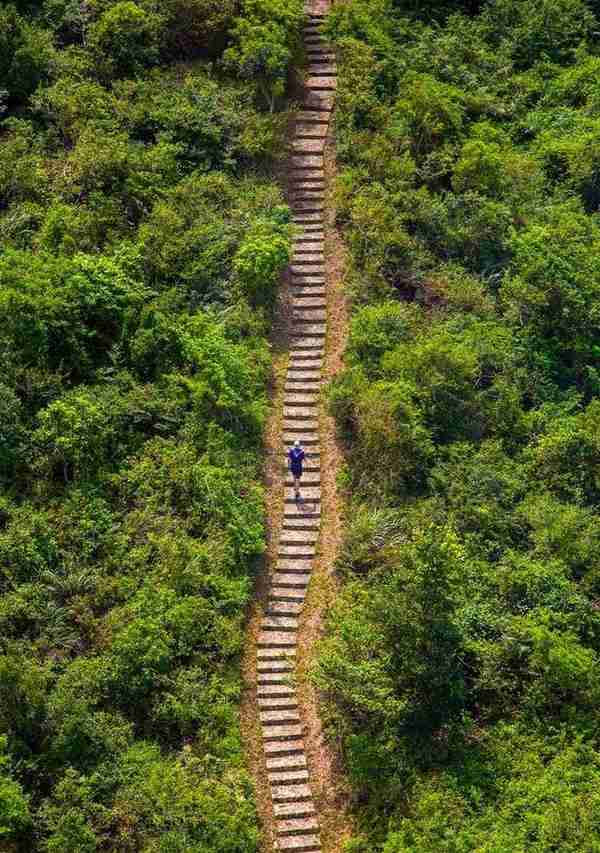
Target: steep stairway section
{"x":296,"y":819}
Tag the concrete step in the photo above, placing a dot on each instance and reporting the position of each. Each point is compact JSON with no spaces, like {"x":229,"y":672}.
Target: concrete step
{"x":309,"y":302}
{"x":309,"y":279}
{"x":280,"y":691}
{"x":312,"y":238}
{"x":297,"y":825}
{"x":296,"y":510}
{"x":300,"y":413}
{"x":309,"y":362}
{"x":299,"y":808}
{"x":307,"y":437}
{"x":313,"y":376}
{"x":300,"y":398}
{"x":286,"y":762}
{"x":287,"y":580}
{"x":283,"y":747}
{"x":308,"y":256}
{"x":290,"y":793}
{"x":305,"y":386}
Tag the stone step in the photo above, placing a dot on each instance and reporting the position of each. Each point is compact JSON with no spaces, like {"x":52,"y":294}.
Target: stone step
{"x":283,"y":716}
{"x":297,"y":825}
{"x":305,"y":386}
{"x":279,"y":623}
{"x":321,"y":83}
{"x":274,"y":678}
{"x":295,"y":536}
{"x":290,"y":793}
{"x":286,"y":762}
{"x":309,"y":315}
{"x":308,"y":302}
{"x":283,"y":747}
{"x":319,"y":54}
{"x":310,"y":291}
{"x":282,"y":691}
{"x":313,"y":116}
{"x":307,"y":228}
{"x":290,"y":580}
{"x":307,"y":495}
{"x":294,"y":565}
{"x":307,"y":161}
{"x":277,"y":639}
{"x":299,"y":843}
{"x":281,"y":655}
{"x":298,"y":511}
{"x":308,"y":279}
{"x":322,"y":69}
{"x":301,"y":523}
{"x":314,"y":239}
{"x":300,"y":413}
{"x":300,"y":398}
{"x":303,"y":219}
{"x":307,"y":251}
{"x":306,"y":145}
{"x":317,"y":174}
{"x":302,"y":428}
{"x":311,"y":243}
{"x":274,"y":665}
{"x":287,"y":731}
{"x":298,"y":431}
{"x":314,"y":330}
{"x":274,"y":703}
{"x":296,"y":368}
{"x":287,"y":594}
{"x":312,"y":361}
{"x":281,"y":608}
{"x":318,"y":100}
{"x":288,"y":777}
{"x":296,"y":377}
{"x":299,"y":552}
{"x":300,"y":808}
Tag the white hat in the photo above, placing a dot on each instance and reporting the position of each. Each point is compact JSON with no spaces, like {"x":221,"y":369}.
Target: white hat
{"x":297,"y":443}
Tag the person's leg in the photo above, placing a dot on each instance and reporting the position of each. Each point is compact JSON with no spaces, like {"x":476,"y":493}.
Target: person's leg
{"x":297,"y":484}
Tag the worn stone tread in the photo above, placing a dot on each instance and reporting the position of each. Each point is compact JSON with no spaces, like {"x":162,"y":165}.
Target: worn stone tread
{"x":286,"y":762}
{"x":274,"y":639}
{"x":283,"y":747}
{"x":280,"y":623}
{"x":297,"y":825}
{"x":290,"y":793}
{"x":284,"y":593}
{"x":300,"y":808}
{"x":299,"y":843}
{"x":283,"y":608}
{"x":281,"y":731}
{"x":276,"y":703}
{"x":289,"y":777}
{"x":287,"y":579}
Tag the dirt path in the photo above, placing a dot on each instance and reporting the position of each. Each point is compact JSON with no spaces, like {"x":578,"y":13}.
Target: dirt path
{"x":299,"y":795}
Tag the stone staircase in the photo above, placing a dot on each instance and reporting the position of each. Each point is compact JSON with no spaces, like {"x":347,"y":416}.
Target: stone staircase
{"x":296,"y":821}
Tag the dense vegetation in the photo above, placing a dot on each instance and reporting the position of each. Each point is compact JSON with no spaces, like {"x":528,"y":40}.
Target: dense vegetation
{"x":461,"y":665}
{"x":141,"y":239}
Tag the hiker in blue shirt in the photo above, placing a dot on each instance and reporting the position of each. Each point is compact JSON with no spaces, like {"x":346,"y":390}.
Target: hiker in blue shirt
{"x":296,"y":457}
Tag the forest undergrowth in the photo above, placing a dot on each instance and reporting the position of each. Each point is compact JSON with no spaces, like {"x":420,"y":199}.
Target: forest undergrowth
{"x":460,"y":669}
{"x":142,"y":237}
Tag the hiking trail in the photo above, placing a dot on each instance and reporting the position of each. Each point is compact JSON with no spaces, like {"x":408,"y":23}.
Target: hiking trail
{"x":281,"y":760}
